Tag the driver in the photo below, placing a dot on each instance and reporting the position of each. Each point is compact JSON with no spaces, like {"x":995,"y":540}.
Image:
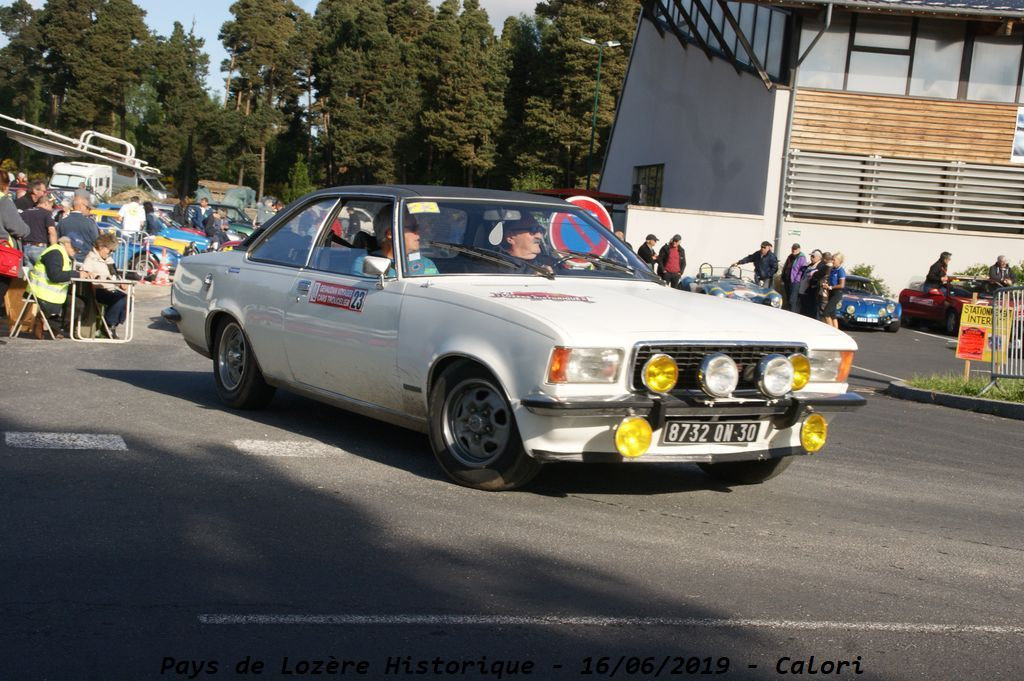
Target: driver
{"x":522,"y":238}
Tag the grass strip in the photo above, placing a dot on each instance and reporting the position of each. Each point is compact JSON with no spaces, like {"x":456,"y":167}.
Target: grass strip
{"x":1006,"y":390}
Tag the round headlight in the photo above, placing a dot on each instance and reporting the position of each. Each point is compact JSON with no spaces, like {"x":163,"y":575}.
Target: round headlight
{"x":801,"y":371}
{"x":814,"y":432}
{"x":890,"y":308}
{"x":774,"y":375}
{"x":718,"y":375}
{"x":633,"y":437}
{"x":775,"y":300}
{"x":660,"y":373}
{"x":850,"y":309}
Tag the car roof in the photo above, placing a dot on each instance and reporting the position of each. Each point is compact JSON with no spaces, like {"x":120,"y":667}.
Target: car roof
{"x":412,"y":191}
{"x":857,"y":278}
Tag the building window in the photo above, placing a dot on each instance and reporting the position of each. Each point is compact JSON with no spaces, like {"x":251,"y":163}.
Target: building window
{"x":938,"y":53}
{"x":647,"y":183}
{"x":910,"y":56}
{"x":995,"y":67}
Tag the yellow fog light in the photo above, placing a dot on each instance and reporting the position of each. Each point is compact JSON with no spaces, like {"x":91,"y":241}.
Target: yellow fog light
{"x":660,"y":373}
{"x":814,"y":432}
{"x":801,"y":371}
{"x":633,"y":437}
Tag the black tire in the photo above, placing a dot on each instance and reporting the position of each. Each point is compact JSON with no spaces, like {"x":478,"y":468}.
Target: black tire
{"x":236,"y":372}
{"x":747,"y":472}
{"x":143,"y":266}
{"x":473,"y":431}
{"x":952,"y":325}
{"x":893,"y":326}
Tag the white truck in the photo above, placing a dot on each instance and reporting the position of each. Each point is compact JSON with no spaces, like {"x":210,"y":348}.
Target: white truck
{"x":103,"y":180}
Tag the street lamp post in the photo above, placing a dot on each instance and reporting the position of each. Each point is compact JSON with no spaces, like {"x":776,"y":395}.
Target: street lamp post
{"x":597,"y":92}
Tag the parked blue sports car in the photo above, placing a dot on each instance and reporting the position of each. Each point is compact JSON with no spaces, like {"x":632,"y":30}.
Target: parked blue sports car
{"x":863,"y":305}
{"x":730,"y":282}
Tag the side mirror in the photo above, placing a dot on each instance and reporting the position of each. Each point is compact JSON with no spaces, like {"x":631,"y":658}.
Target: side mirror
{"x":375,"y":266}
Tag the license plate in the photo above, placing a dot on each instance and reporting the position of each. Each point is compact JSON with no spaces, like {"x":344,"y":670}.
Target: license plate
{"x":683,"y":432}
{"x":868,"y":320}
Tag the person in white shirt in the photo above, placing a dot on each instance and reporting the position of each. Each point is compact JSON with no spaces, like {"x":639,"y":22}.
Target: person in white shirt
{"x":133,"y":217}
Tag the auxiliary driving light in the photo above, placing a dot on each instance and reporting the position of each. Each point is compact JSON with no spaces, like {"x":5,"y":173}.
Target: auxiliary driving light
{"x":774,"y":375}
{"x":718,"y":375}
{"x":814,"y":432}
{"x":801,"y":371}
{"x":633,"y":437}
{"x":660,"y":373}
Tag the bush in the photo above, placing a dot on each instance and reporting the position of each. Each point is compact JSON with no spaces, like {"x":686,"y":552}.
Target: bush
{"x":298,"y":181}
{"x":980,"y":270}
{"x":868,"y":271}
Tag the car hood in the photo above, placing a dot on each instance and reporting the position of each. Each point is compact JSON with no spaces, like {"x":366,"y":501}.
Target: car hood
{"x":595,"y":312}
{"x":866,"y":298}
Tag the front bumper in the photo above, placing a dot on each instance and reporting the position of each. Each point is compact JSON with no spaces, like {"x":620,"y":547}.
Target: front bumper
{"x":583,"y":430}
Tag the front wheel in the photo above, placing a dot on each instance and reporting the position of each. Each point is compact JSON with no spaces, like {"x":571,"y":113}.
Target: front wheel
{"x":893,"y":326}
{"x":746,"y":472}
{"x":473,"y":431}
{"x":238,"y":377}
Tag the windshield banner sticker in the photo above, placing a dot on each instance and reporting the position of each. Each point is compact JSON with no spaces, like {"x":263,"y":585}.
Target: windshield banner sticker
{"x":423,"y":207}
{"x":335,"y":295}
{"x":538,"y":295}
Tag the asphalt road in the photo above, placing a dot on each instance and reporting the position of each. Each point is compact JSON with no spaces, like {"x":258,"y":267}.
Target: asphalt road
{"x":193,"y":535}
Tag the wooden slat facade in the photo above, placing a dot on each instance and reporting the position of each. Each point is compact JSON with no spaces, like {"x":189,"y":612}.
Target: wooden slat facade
{"x":903,"y":127}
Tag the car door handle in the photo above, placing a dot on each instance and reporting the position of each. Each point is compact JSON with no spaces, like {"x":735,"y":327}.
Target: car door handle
{"x":303,"y":287}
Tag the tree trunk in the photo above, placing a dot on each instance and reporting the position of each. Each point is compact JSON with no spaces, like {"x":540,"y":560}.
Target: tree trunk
{"x":263,"y":168}
{"x":186,"y":179}
{"x":227,"y":81}
{"x":309,"y":122}
{"x":241,"y":173}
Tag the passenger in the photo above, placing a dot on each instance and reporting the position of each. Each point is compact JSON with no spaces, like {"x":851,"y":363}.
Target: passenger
{"x":1000,"y":274}
{"x":937,"y":276}
{"x":416,"y":264}
{"x":835,"y":287}
{"x":99,"y":266}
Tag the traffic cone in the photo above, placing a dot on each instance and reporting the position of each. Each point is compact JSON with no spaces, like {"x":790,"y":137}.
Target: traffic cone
{"x":163,"y":275}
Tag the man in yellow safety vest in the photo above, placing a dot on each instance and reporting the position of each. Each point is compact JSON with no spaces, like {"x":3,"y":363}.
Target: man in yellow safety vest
{"x":49,"y":280}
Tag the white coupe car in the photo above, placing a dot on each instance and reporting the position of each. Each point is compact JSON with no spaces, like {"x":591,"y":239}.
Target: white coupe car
{"x":514,"y":330}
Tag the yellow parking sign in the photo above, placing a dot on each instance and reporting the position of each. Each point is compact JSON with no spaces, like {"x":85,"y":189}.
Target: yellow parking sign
{"x":974,"y":342}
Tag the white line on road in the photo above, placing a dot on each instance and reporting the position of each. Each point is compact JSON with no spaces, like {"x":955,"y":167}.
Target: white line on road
{"x":547,"y":620}
{"x":878,"y":373}
{"x":65,"y":441}
{"x":932,"y":335}
{"x":297,"y":449}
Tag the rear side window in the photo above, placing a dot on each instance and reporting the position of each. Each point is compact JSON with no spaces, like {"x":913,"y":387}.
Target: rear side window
{"x":290,"y":242}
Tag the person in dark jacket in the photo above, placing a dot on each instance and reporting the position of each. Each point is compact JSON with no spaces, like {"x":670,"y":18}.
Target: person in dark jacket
{"x":672,"y":261}
{"x":646,"y":251}
{"x":31,"y":198}
{"x":937,"y":276}
{"x":765,"y":264}
{"x":808,"y":295}
{"x":79,"y":226}
{"x":11,"y":227}
{"x":1000,"y":274}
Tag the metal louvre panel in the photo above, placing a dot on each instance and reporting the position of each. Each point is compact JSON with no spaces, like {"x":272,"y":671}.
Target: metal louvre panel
{"x":877,"y":190}
{"x":689,"y":355}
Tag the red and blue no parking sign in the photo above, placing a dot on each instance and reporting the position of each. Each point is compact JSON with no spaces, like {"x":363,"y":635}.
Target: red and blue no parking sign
{"x":570,"y":233}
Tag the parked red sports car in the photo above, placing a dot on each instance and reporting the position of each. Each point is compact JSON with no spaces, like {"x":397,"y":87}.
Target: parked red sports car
{"x":941,"y":307}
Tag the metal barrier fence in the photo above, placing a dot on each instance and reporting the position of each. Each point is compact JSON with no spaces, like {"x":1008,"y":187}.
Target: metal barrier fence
{"x":1007,"y":334}
{"x":132,"y":254}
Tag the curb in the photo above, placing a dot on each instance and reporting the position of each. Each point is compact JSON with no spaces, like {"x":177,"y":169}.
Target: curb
{"x":1009,"y":410}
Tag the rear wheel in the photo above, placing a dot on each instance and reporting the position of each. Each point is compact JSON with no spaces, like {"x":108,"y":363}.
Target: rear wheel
{"x":238,"y":377}
{"x":473,"y":431}
{"x":952,"y":325}
{"x":747,"y":472}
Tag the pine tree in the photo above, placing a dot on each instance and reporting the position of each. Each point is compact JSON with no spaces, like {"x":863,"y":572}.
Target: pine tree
{"x":21,"y":68}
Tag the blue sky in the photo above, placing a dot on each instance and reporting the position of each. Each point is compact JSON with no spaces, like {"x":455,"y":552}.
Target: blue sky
{"x":209,"y":16}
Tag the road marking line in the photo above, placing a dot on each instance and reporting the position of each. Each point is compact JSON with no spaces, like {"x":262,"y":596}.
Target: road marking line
{"x":879,"y":373}
{"x":932,"y":335}
{"x":296,"y":449}
{"x":28,"y":440}
{"x":546,"y":620}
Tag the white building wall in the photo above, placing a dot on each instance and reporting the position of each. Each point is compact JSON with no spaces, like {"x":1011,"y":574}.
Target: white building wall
{"x":709,"y":125}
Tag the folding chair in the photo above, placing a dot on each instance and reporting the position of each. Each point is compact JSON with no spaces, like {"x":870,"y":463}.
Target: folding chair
{"x":29,"y":299}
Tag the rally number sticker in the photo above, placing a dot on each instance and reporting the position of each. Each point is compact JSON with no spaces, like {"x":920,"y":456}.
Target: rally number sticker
{"x":336,"y":295}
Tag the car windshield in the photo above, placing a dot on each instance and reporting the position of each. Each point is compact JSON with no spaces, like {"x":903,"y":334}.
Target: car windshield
{"x":463,"y":236}
{"x":965,"y":288}
{"x":858,"y":286}
{"x":63,"y":180}
{"x":706,"y":272}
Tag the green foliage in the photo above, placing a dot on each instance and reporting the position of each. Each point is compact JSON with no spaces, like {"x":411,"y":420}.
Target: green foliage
{"x":298,"y":181}
{"x":1006,"y":390}
{"x":981,"y":270}
{"x":868,"y":271}
{"x":530,"y":180}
